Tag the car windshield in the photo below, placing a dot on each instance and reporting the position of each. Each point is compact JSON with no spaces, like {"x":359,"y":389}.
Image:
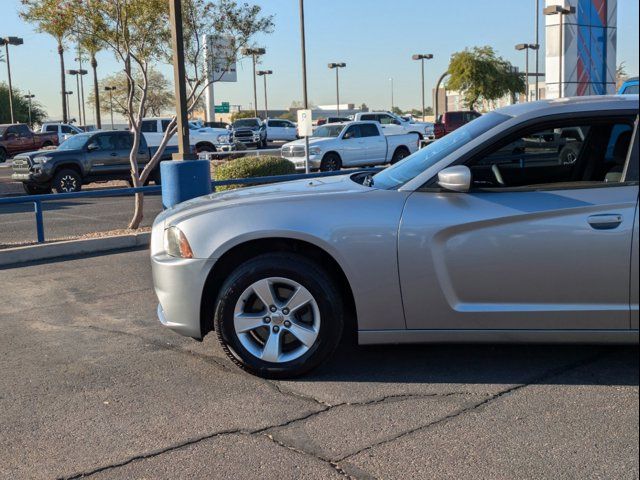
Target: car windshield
{"x":75,"y":142}
{"x":248,"y":122}
{"x":328,"y":131}
{"x":2,"y":130}
{"x":409,"y":168}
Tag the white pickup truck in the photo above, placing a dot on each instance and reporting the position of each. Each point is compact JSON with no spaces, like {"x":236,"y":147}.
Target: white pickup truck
{"x":203,"y":139}
{"x":394,"y":124}
{"x":64,"y":130}
{"x":350,"y":144}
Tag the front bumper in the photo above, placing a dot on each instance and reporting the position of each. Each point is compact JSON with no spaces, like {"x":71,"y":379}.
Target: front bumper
{"x":31,"y":177}
{"x":314,"y":161}
{"x":179,"y":284}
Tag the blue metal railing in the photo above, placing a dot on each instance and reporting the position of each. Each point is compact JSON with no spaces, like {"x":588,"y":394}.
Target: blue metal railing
{"x":37,"y":200}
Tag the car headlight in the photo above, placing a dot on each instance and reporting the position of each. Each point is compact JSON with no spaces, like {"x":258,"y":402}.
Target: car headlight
{"x":176,"y":244}
{"x":42,"y":159}
{"x":223,"y":138}
{"x":314,"y":150}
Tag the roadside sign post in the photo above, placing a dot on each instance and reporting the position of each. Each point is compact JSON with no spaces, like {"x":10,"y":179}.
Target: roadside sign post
{"x":221,"y":67}
{"x":305,"y":129}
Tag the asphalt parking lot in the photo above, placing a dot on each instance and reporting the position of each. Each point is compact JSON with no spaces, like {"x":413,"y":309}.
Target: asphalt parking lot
{"x":92,"y":385}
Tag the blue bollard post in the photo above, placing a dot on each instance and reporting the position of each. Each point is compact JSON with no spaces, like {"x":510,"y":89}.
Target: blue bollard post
{"x":37,"y":207}
{"x":183,"y":180}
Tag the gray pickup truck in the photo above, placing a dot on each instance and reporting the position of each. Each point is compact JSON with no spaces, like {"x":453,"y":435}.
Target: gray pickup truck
{"x":82,"y":159}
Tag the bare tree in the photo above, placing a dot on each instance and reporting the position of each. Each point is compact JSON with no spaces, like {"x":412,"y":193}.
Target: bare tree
{"x":136,"y":31}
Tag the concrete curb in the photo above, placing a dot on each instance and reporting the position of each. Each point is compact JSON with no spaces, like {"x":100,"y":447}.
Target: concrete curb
{"x":17,"y":255}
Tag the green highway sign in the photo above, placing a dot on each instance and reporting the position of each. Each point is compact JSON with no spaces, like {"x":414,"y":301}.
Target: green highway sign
{"x":224,"y":108}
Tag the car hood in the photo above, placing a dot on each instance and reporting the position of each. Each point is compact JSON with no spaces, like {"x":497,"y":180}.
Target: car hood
{"x":34,"y":156}
{"x":263,"y":196}
{"x":312,"y":141}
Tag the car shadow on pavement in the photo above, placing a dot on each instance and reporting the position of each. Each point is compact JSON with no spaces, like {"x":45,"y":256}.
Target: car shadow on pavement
{"x":483,"y":364}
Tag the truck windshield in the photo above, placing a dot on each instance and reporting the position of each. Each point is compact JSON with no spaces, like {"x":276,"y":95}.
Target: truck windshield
{"x":409,"y":168}
{"x":76,"y":142}
{"x":328,"y":131}
{"x":248,"y":122}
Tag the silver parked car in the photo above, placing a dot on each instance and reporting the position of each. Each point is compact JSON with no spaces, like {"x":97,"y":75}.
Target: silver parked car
{"x":483,"y":236}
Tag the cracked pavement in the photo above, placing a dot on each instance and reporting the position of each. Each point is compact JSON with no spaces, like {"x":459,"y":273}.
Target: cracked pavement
{"x":93,"y":386}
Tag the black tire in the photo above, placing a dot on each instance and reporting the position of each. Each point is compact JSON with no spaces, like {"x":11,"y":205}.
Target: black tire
{"x":399,"y":154}
{"x":205,"y":147}
{"x":67,"y":180}
{"x":330,"y":162}
{"x":298,"y":269}
{"x":3,"y":155}
{"x":32,"y":189}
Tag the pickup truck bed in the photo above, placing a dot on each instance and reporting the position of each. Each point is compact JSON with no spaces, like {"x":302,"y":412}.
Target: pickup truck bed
{"x":18,"y":138}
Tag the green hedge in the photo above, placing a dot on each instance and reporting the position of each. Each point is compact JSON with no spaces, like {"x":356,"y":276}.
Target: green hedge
{"x":249,"y":167}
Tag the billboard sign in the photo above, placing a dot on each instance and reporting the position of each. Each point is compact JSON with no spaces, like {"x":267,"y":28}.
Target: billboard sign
{"x":220,"y":55}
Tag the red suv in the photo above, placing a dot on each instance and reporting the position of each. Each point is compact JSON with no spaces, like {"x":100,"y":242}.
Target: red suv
{"x":449,"y":121}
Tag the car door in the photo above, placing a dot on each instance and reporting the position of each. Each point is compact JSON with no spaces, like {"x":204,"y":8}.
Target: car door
{"x":374,"y":144}
{"x":532,"y":245}
{"x":290,"y":131}
{"x":390,"y":125}
{"x":103,"y":153}
{"x":275,"y":130}
{"x":352,"y":147}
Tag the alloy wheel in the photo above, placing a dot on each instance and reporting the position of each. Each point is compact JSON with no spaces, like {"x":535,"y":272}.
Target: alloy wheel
{"x":277,"y":320}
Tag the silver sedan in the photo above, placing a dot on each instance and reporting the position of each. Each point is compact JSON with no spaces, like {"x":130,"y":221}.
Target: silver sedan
{"x":493,"y":233}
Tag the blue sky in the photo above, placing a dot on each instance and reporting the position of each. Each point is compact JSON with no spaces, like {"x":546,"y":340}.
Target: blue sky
{"x":376,"y":39}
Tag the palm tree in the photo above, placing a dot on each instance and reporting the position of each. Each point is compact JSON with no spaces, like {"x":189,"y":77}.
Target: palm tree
{"x":92,"y":46}
{"x":54,"y":17}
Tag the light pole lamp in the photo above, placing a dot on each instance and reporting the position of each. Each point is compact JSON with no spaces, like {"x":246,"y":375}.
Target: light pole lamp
{"x":110,"y":89}
{"x":526,"y":47}
{"x":562,"y":11}
{"x":254,"y":52}
{"x":263,"y":74}
{"x":29,"y":97}
{"x":422,"y":57}
{"x":6,"y":41}
{"x":337,"y":66}
{"x":78,"y":74}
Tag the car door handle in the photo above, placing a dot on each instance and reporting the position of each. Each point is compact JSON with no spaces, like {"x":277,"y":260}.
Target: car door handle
{"x":605,"y":221}
{"x":114,"y":154}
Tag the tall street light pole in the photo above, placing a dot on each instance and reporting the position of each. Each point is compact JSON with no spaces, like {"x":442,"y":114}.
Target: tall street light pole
{"x":537,"y":21}
{"x":254,"y":52}
{"x":526,"y":47}
{"x":110,"y":90}
{"x":6,"y":42}
{"x":337,"y":66}
{"x":82,"y":74}
{"x":177,"y":44}
{"x":29,"y":97}
{"x":66,"y":96}
{"x":78,"y":74}
{"x":422,"y":57}
{"x":304,"y":81}
{"x":391,"y":80}
{"x":561,"y":11}
{"x":263,"y":74}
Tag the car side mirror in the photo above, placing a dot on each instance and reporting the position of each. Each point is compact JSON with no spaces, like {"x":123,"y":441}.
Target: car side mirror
{"x":92,"y":147}
{"x":456,"y":178}
{"x":347,"y":136}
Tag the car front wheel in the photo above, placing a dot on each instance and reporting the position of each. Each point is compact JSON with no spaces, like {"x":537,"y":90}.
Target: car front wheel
{"x":279,"y":315}
{"x":67,"y":181}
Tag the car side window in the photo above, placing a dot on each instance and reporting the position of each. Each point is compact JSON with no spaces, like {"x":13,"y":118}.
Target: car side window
{"x":67,"y":129}
{"x":369,"y":130}
{"x":165,"y":125}
{"x":353,"y":132}
{"x":561,"y":155}
{"x":369,"y":117}
{"x":22,"y":130}
{"x":149,"y":126}
{"x":51,"y":128}
{"x":387,"y":120}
